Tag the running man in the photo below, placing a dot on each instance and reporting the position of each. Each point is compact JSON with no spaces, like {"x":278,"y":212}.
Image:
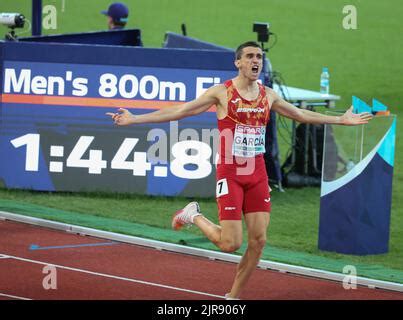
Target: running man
{"x":243,"y":106}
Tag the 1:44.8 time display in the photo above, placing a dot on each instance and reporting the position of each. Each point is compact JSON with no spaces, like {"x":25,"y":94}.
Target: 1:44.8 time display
{"x":125,"y":157}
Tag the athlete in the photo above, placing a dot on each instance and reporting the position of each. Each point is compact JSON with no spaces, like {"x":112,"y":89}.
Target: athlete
{"x":243,"y":107}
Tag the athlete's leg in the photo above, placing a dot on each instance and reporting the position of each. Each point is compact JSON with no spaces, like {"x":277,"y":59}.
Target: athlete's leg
{"x":227,"y":236}
{"x":257,"y":224}
{"x":257,"y":207}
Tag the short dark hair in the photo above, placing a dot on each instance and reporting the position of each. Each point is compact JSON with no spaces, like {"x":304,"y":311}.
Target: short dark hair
{"x":238,"y":51}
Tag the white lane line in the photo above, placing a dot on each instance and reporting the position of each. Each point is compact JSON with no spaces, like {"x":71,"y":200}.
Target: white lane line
{"x":3,"y":256}
{"x":116,"y":277}
{"x":14,"y":297}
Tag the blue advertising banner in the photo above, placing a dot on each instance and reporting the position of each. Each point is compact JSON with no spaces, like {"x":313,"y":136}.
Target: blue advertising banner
{"x":55,"y":135}
{"x":356,"y":189}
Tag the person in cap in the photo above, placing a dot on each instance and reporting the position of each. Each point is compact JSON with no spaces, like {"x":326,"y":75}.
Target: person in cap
{"x":117,"y":14}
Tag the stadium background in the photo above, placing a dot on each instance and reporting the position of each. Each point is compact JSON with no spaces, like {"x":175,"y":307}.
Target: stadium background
{"x":366,"y":62}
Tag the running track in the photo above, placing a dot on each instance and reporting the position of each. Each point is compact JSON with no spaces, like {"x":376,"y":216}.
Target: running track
{"x":128,"y":272}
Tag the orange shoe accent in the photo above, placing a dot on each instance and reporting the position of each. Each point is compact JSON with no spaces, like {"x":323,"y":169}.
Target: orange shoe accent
{"x":176,"y":224}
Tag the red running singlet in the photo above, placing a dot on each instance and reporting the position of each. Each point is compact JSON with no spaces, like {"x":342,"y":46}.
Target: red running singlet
{"x":242,"y":181}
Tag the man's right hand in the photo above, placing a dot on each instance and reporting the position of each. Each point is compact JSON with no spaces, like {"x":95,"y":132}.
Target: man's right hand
{"x":121,"y":118}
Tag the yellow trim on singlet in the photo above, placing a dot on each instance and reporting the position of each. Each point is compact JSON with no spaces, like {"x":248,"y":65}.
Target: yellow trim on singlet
{"x":236,"y":121}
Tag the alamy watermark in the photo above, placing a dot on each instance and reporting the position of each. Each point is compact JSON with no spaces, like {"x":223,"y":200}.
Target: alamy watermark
{"x":49,"y":16}
{"x":350,"y":18}
{"x":50,"y":280}
{"x":350,"y":280}
{"x":188,"y":147}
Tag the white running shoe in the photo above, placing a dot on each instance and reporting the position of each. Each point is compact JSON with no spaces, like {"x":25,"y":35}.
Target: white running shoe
{"x":185,"y":216}
{"x":227,"y":297}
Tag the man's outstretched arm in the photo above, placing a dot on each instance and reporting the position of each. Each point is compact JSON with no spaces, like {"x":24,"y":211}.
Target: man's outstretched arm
{"x":124,"y":117}
{"x":306,"y":116}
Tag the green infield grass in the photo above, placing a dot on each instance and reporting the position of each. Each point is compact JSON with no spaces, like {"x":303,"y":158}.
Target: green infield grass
{"x":366,"y":62}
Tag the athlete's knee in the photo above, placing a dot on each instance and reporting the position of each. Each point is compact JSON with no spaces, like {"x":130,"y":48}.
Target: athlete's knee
{"x":257,"y":243}
{"x":230,"y":246}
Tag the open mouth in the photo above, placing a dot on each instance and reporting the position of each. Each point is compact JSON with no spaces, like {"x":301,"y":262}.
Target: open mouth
{"x":255,"y":69}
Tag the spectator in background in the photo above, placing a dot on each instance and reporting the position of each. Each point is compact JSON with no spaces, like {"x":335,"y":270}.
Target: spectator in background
{"x":117,"y":14}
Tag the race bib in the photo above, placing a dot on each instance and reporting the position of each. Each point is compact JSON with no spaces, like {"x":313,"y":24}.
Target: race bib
{"x":249,"y":141}
{"x":221,"y":188}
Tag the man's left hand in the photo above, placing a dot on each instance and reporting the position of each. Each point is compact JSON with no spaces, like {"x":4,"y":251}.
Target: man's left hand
{"x":351,"y":119}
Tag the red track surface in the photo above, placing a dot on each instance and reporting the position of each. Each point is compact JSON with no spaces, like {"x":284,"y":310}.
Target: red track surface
{"x":130,"y":272}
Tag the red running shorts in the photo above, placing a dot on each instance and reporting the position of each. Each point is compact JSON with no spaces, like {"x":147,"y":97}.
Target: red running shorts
{"x":241,"y":189}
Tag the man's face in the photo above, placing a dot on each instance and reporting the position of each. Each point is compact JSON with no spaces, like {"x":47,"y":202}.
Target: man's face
{"x":251,"y":62}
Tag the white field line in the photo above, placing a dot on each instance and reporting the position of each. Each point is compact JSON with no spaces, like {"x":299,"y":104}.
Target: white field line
{"x":14,"y":297}
{"x":116,"y":277}
{"x":213,"y":255}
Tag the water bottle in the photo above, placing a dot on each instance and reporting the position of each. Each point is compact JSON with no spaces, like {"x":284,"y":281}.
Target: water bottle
{"x":350,"y":165}
{"x":324,"y":81}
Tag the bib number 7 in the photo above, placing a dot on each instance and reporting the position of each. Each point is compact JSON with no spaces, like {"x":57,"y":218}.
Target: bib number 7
{"x":221,"y":188}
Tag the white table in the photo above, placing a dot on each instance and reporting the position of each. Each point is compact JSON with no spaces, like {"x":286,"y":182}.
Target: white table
{"x":306,"y":99}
